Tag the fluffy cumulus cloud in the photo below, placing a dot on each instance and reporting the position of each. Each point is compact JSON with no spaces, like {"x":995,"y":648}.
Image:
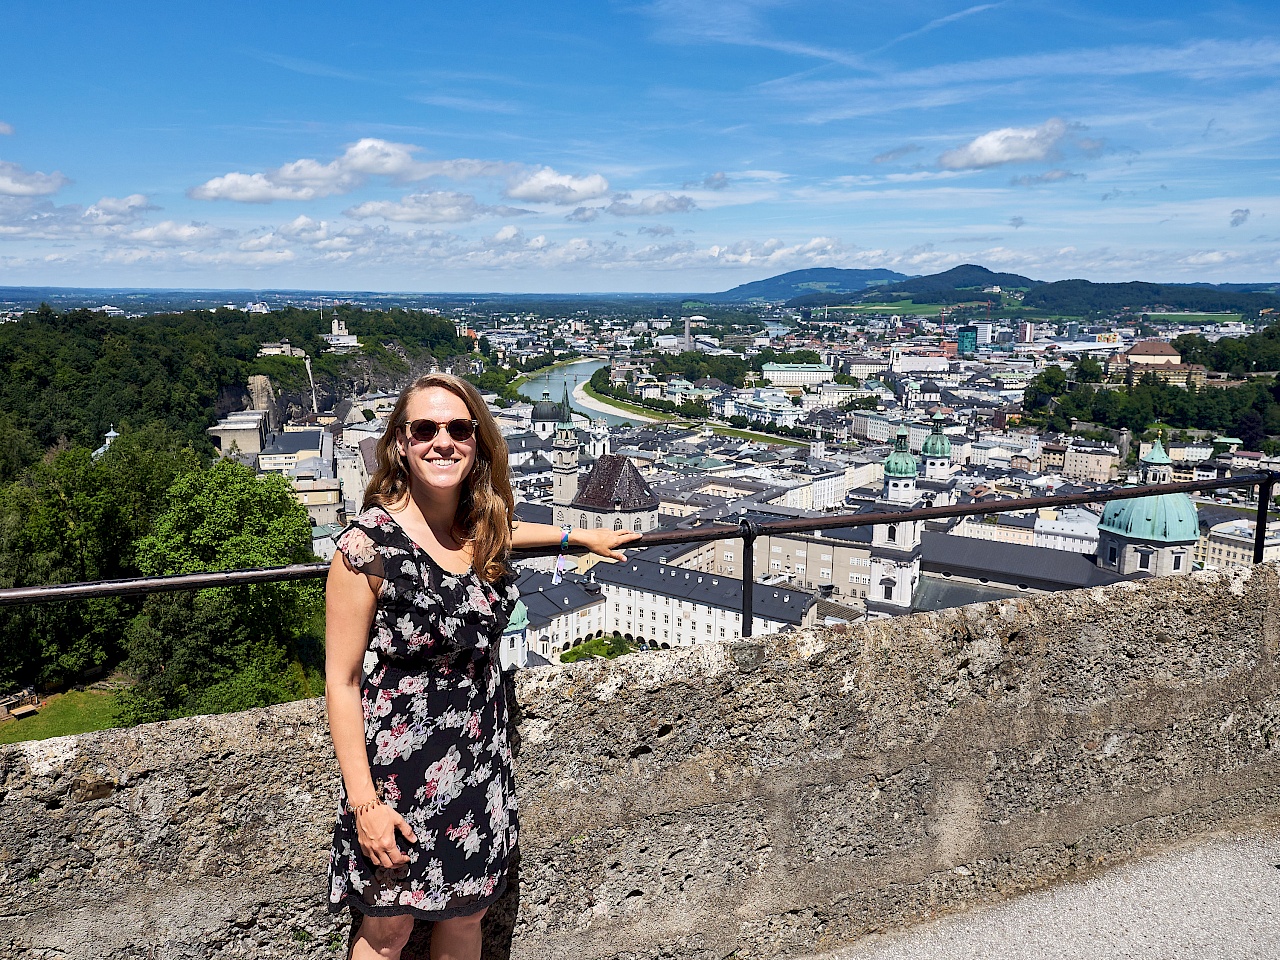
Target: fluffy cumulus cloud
{"x":582,"y":214}
{"x":656,"y":204}
{"x":436,"y":206}
{"x":1007,"y":145}
{"x":111,"y":211}
{"x":545,"y":185}
{"x":309,"y":179}
{"x":17,"y":182}
{"x":170,"y":233}
{"x":1238,"y":217}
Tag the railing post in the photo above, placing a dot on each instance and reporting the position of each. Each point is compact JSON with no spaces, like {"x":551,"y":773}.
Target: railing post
{"x":1265,"y":489}
{"x":750,"y":530}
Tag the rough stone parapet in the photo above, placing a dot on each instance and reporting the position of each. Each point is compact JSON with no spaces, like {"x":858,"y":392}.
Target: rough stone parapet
{"x":780,"y":796}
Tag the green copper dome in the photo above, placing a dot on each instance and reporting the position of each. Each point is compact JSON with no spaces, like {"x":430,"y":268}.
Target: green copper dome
{"x":901,"y":463}
{"x":519,"y":618}
{"x":1164,"y":518}
{"x":936,"y":444}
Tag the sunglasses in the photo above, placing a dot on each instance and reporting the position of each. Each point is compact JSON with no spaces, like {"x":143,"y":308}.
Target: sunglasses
{"x":424,"y":431}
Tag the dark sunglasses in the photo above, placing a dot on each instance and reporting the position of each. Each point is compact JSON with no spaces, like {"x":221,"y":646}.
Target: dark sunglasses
{"x":424,"y":431}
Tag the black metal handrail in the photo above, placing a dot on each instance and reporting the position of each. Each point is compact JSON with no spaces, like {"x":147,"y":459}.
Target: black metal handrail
{"x":746,"y":530}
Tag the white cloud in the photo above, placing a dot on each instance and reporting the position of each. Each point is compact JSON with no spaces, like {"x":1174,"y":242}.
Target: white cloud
{"x":308,"y":179}
{"x":1049,"y":176}
{"x":111,"y":211}
{"x":6,"y":129}
{"x":1007,"y":145}
{"x":653,"y":205}
{"x":250,"y":188}
{"x":16,"y":182}
{"x":436,"y":206}
{"x":657,"y":230}
{"x":897,"y":153}
{"x":583,"y":214}
{"x":545,"y":185}
{"x":170,"y":233}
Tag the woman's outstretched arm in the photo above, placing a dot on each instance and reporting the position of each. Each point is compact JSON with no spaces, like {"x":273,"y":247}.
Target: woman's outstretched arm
{"x":599,"y":541}
{"x":350,"y":603}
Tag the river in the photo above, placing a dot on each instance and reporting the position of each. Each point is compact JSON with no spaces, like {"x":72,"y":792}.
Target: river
{"x":572,"y":374}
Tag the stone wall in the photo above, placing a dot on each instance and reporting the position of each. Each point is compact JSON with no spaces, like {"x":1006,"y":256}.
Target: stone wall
{"x":768,"y":798}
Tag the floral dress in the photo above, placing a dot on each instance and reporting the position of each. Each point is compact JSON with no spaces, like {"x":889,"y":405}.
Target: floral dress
{"x":436,"y":729}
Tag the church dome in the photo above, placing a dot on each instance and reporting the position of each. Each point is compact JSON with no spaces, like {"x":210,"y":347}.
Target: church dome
{"x":937,"y":443}
{"x":546,"y":410}
{"x":901,"y":463}
{"x":1164,"y":518}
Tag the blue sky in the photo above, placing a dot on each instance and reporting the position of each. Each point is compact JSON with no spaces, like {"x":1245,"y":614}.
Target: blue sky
{"x":673,"y":145}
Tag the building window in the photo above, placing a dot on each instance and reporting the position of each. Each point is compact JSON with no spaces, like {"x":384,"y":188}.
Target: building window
{"x":1144,"y":561}
{"x":888,"y":591}
{"x":728,"y":558}
{"x":824,"y":574}
{"x":1112,"y":553}
{"x":617,"y":523}
{"x":1177,"y":561}
{"x":893,"y":533}
{"x":582,"y":520}
{"x":637,"y":525}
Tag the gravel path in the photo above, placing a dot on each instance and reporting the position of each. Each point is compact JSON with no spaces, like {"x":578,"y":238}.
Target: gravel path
{"x":1216,"y":901}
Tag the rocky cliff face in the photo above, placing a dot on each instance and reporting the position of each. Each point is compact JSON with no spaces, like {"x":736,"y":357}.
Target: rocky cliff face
{"x":754,"y":799}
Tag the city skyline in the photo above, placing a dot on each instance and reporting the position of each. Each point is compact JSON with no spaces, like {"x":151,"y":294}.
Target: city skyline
{"x":641,"y":147}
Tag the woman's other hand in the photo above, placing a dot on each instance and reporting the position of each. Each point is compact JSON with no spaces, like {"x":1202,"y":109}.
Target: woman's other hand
{"x":376,"y":830}
{"x":603,"y":542}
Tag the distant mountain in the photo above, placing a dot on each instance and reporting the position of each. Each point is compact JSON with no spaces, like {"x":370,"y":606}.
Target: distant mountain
{"x":965,"y":282}
{"x":801,"y":283}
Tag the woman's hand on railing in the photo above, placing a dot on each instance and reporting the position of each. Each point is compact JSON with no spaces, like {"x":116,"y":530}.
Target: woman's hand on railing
{"x":603,"y":542}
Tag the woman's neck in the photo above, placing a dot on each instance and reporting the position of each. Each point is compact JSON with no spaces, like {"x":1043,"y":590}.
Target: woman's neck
{"x":440,"y":513}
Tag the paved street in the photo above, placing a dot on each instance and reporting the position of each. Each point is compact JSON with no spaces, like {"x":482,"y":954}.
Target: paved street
{"x":1217,"y":901}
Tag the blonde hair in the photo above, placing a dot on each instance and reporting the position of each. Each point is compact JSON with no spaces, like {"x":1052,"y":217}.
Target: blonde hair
{"x":486,"y":507}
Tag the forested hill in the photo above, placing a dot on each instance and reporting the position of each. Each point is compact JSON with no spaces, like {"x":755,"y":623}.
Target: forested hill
{"x":965,"y":282}
{"x":798,"y":283}
{"x":69,"y":377}
{"x":1082,"y":297}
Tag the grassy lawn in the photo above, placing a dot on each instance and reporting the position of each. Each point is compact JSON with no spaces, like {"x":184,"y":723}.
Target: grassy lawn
{"x":759,"y":437}
{"x":899,"y":308}
{"x":63,"y":713}
{"x":627,"y":407}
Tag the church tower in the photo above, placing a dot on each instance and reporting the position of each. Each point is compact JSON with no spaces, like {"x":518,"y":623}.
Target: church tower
{"x":937,"y":452}
{"x":895,"y":547}
{"x":900,"y":471}
{"x":1154,"y":535}
{"x":564,"y":461}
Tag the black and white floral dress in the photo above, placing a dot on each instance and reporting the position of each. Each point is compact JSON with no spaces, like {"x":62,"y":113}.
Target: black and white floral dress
{"x":436,"y":729}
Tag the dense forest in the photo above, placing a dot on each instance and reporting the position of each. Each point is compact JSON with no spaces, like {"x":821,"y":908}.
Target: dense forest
{"x":1082,"y":298}
{"x":71,"y":376}
{"x":1257,"y":353}
{"x":1250,"y":412}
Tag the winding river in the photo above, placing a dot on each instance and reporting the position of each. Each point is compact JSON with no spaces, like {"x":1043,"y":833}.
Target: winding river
{"x":556,"y":379}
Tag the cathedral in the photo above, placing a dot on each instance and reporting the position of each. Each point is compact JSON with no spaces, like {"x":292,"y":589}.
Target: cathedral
{"x":612,"y":494}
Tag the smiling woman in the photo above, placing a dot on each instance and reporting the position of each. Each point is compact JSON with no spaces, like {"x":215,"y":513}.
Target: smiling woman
{"x":418,"y":596}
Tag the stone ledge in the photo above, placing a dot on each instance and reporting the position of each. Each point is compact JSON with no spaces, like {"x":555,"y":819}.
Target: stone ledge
{"x":780,"y":796}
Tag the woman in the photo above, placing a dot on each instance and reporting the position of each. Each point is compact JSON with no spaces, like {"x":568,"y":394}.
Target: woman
{"x":417,"y":599}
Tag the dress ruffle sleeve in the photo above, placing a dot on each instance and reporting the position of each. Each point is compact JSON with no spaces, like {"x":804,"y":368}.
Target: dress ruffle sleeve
{"x":362,"y":543}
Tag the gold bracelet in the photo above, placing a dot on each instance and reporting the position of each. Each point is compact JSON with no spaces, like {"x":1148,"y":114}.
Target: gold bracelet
{"x":366,"y":807}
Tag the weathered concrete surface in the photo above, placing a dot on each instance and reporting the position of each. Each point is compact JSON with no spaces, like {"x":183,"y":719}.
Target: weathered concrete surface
{"x":782,"y":797}
{"x":1219,"y":900}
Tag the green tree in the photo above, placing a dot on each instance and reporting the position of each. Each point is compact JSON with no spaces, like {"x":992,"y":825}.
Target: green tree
{"x":225,"y":648}
{"x":1088,"y":370}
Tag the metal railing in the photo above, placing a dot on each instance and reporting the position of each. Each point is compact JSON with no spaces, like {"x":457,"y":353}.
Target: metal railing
{"x":746,"y":530}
